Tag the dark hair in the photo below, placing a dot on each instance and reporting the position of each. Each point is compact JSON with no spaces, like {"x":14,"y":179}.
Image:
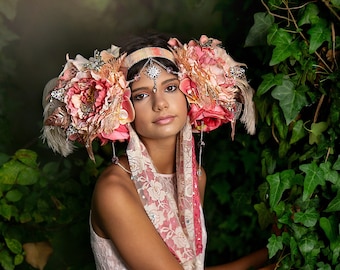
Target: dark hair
{"x":148,"y":40}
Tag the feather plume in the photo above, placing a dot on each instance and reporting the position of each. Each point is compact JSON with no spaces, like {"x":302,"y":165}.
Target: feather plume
{"x":55,"y":136}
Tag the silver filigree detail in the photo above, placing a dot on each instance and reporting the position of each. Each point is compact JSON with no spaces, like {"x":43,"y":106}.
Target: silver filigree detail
{"x":153,"y":72}
{"x":71,"y":130}
{"x":58,"y":94}
{"x":95,"y":62}
{"x":237,"y":72}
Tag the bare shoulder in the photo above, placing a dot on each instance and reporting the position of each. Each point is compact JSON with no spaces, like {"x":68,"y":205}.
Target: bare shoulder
{"x":118,"y":214}
{"x":114,"y":178}
{"x":113,"y":192}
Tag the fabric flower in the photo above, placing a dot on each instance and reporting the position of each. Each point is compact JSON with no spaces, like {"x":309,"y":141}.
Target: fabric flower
{"x":213,"y":84}
{"x":209,"y":118}
{"x":96,"y":97}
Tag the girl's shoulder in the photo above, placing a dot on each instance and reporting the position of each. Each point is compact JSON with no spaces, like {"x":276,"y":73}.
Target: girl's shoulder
{"x":116,"y":172}
{"x":115,"y":179}
{"x":114,"y":193}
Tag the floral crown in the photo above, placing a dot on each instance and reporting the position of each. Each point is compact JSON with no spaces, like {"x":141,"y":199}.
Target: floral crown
{"x":91,"y":98}
{"x":214,"y":84}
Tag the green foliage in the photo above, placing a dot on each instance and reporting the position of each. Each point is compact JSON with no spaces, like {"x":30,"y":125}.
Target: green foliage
{"x":231,"y":192}
{"x":298,"y":103}
{"x":37,"y":201}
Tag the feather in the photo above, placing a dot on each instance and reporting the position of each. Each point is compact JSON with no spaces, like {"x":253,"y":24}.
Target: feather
{"x":55,"y":136}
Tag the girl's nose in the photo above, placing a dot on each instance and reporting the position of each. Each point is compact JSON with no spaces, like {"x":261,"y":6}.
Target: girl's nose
{"x":159,"y":101}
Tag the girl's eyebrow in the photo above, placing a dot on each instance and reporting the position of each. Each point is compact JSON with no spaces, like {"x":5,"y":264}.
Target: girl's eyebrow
{"x":139,"y":88}
{"x":162,"y":83}
{"x":169,"y":80}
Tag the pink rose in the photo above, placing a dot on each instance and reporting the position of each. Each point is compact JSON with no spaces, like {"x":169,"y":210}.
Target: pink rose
{"x":188,"y":87}
{"x":119,"y":134}
{"x":212,"y":117}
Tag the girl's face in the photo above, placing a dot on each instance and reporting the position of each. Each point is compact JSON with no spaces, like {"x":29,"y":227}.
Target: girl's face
{"x":161,"y":108}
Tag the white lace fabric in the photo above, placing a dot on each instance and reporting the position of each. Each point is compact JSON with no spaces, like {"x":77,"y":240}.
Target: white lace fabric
{"x":170,"y":201}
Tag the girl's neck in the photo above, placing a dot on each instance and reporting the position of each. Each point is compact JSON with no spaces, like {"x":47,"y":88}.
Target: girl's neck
{"x":163,"y":154}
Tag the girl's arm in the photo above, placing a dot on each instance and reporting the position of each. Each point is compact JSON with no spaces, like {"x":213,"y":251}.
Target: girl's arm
{"x":118,"y":214}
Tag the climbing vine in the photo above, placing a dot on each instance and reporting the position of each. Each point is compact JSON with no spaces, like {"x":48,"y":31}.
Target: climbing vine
{"x":298,"y":101}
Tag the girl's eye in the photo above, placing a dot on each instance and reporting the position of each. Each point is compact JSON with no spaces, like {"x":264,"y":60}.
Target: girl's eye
{"x":139,"y":97}
{"x":171,"y":88}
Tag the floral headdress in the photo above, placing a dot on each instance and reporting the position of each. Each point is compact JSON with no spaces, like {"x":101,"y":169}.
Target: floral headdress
{"x":89,"y":100}
{"x":214,"y":84}
{"x":91,"y":97}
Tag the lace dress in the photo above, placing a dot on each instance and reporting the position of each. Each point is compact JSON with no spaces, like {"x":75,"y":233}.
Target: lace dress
{"x":105,"y":253}
{"x":170,"y":201}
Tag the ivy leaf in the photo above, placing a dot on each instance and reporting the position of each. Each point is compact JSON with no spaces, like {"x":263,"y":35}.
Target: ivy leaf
{"x":14,"y":195}
{"x":277,"y":36}
{"x":298,"y":132}
{"x":336,"y":165}
{"x":268,"y":162}
{"x":307,"y":244}
{"x":6,"y":210}
{"x":316,"y":131}
{"x":27,"y":157}
{"x":294,"y":250}
{"x":279,"y":121}
{"x":334,"y":205}
{"x":291,"y":100}
{"x":6,"y":260}
{"x":278,"y":183}
{"x":319,"y":33}
{"x":308,"y":218}
{"x":18,"y":259}
{"x":14,"y":245}
{"x":264,"y":215}
{"x":268,"y":81}
{"x":274,"y":245}
{"x":28,"y":176}
{"x":309,"y":15}
{"x":284,"y":44}
{"x":258,"y":32}
{"x":329,"y":226}
{"x":262,"y":106}
{"x":9,"y":172}
{"x":330,"y":174}
{"x":314,"y":177}
{"x":284,"y":147}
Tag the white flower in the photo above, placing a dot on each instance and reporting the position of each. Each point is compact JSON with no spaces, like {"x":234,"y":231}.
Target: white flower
{"x":156,"y":191}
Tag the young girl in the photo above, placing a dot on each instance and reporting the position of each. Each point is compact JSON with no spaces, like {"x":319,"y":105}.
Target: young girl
{"x":146,"y":210}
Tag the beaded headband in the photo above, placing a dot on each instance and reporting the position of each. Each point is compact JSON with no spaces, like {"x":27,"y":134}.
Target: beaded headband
{"x":145,"y":53}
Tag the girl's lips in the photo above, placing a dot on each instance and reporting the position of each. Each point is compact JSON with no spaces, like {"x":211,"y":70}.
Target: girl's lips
{"x":164,"y":120}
